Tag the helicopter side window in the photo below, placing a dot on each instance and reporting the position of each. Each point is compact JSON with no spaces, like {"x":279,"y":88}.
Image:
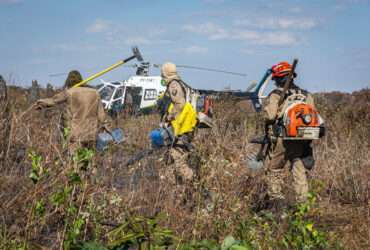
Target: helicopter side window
{"x":118,"y":94}
{"x":106,"y":93}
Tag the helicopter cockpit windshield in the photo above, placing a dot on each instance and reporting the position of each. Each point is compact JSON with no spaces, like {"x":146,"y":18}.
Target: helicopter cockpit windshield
{"x":106,"y":93}
{"x":112,"y":95}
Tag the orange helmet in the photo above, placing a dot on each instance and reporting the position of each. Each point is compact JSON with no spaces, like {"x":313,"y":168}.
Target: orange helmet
{"x":281,"y":69}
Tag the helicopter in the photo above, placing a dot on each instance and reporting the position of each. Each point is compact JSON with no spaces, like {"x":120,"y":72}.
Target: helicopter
{"x":138,"y":93}
{"x":141,"y":91}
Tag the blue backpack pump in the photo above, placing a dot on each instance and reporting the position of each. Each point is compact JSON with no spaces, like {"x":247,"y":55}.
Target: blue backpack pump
{"x":161,"y":137}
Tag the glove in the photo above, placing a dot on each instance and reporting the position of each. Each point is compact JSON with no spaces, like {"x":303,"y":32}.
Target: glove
{"x":170,"y":117}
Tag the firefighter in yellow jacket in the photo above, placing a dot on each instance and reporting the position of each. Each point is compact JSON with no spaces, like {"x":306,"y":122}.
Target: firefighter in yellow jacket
{"x":181,"y":117}
{"x":297,"y":154}
{"x":83,"y":114}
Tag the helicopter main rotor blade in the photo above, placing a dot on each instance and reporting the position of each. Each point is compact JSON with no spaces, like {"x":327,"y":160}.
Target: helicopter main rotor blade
{"x":58,"y":74}
{"x":212,"y":70}
{"x":66,"y":73}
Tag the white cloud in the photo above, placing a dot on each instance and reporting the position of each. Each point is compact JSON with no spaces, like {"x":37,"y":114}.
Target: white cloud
{"x":266,"y":38}
{"x":73,"y":47}
{"x":139,"y":40}
{"x":254,"y":52}
{"x":273,"y":38}
{"x":117,"y":35}
{"x":295,"y":9}
{"x":194,"y":49}
{"x":299,"y":23}
{"x":248,"y":51}
{"x":157,"y":32}
{"x":341,"y":5}
{"x":279,"y":23}
{"x":9,"y":1}
{"x":214,"y":1}
{"x":211,"y":30}
{"x":278,"y":39}
{"x":99,"y":25}
{"x":354,"y":1}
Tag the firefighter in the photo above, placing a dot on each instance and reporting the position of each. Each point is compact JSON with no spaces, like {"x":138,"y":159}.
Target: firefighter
{"x":295,"y":154}
{"x":83,"y":113}
{"x":180,"y":116}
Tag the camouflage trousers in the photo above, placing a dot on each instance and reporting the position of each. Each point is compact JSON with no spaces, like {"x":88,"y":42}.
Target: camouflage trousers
{"x":281,"y":155}
{"x":182,"y":171}
{"x":182,"y":177}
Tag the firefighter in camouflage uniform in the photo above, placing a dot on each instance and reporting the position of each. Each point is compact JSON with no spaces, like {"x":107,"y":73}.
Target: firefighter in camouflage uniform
{"x":83,"y":114}
{"x":294,"y":154}
{"x":181,"y":117}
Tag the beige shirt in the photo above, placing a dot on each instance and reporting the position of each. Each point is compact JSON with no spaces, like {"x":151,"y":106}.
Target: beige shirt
{"x":178,"y":99}
{"x":83,"y":115}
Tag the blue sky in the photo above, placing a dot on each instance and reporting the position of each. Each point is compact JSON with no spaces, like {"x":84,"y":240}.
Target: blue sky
{"x":330,"y":37}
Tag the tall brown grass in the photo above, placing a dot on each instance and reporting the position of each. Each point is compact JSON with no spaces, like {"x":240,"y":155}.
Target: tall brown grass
{"x":220,"y":198}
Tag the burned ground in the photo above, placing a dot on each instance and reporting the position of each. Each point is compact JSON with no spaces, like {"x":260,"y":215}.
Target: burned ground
{"x":112,"y":193}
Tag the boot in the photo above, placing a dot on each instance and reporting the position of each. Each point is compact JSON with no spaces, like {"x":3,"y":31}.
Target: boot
{"x":276,"y":206}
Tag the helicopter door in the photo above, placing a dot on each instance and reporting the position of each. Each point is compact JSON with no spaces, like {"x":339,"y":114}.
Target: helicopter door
{"x":136,"y":94}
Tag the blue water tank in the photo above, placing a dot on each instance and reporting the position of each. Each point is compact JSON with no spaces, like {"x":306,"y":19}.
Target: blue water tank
{"x":105,"y":138}
{"x":117,"y":135}
{"x":156,"y":138}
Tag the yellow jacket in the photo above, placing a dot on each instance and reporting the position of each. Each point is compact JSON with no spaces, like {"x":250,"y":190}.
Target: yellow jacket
{"x":184,"y":122}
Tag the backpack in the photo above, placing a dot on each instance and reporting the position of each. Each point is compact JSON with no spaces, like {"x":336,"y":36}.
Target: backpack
{"x":299,"y":119}
{"x":201,"y":103}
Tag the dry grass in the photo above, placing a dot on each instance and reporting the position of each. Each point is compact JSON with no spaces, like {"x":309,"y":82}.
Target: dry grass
{"x":114,"y":192}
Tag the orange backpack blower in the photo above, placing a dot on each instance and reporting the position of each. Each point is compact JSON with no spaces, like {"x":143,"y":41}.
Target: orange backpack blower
{"x":301,"y":121}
